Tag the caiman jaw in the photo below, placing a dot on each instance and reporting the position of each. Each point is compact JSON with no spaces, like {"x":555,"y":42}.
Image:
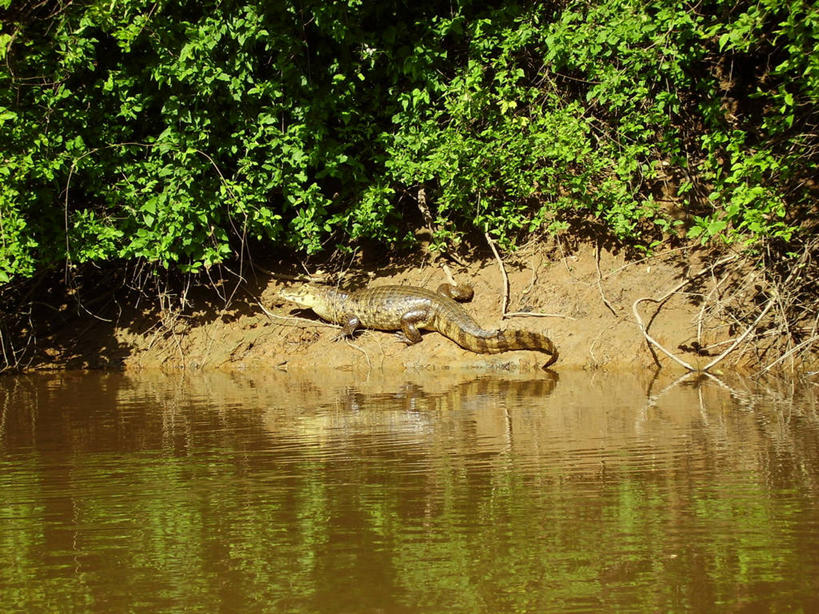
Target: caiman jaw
{"x":300,"y":296}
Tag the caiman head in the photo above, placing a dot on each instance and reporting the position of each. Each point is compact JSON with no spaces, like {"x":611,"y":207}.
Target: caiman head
{"x":305,"y":295}
{"x":325,"y":301}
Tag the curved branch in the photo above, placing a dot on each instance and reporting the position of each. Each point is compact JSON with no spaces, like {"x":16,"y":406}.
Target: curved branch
{"x":665,"y":296}
{"x":651,"y":339}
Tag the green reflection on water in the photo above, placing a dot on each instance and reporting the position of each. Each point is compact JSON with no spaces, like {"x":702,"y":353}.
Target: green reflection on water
{"x":279,"y":494}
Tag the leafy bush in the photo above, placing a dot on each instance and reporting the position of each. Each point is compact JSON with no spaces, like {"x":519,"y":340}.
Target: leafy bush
{"x":173,"y":132}
{"x":612,"y":105}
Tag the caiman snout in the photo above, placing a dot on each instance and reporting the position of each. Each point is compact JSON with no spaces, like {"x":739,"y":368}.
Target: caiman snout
{"x":299,"y":295}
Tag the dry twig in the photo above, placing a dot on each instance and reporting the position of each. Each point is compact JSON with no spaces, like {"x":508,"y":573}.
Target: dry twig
{"x":505,"y":302}
{"x":599,"y":280}
{"x":739,"y":339}
{"x":806,"y":343}
{"x":665,"y":297}
{"x":536,"y":314}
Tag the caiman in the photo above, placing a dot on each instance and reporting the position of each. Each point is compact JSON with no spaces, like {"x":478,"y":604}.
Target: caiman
{"x":408,"y":309}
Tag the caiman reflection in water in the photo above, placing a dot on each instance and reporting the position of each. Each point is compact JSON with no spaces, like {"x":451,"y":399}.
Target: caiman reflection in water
{"x":429,"y":493}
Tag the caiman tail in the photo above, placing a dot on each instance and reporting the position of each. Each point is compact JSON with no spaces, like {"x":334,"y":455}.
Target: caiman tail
{"x":482,"y":341}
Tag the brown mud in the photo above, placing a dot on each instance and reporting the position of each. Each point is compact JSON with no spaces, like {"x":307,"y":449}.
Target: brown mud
{"x":586,"y":297}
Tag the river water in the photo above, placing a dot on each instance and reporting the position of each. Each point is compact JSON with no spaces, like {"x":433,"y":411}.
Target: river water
{"x":334,"y":492}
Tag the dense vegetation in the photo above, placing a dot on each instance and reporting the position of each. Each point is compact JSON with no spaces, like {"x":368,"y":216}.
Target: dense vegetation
{"x":180,"y":132}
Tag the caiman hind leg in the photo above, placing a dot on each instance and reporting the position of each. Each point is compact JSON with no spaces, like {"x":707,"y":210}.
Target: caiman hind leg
{"x":462,"y":292}
{"x":409,"y":326}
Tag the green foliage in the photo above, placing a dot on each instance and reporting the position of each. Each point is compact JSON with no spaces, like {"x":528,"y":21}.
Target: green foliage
{"x":175,"y":133}
{"x":599,"y":109}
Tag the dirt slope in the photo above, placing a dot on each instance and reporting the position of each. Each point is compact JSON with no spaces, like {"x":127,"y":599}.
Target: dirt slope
{"x":588,"y":296}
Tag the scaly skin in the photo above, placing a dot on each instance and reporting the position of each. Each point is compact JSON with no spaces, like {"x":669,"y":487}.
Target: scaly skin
{"x":408,"y":309}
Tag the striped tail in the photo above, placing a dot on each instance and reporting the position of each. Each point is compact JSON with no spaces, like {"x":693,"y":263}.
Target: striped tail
{"x":504,"y":341}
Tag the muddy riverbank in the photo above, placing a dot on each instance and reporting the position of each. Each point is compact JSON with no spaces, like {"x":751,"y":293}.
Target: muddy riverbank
{"x":695,"y":304}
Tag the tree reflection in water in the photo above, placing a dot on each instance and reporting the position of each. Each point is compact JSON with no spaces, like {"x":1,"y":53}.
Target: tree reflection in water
{"x":425,"y":493}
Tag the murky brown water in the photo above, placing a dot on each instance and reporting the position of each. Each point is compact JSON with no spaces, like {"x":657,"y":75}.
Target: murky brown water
{"x":275,"y":493}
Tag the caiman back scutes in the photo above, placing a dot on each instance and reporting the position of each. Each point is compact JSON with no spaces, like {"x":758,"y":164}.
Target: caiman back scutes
{"x":399,"y":307}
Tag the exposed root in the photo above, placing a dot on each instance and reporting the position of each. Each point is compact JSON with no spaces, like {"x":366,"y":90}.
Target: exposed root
{"x":795,"y":282}
{"x":665,"y":297}
{"x":505,"y":300}
{"x":705,"y":303}
{"x":741,"y":338}
{"x":10,"y":360}
{"x":651,"y":340}
{"x":789,"y":354}
{"x":788,"y":301}
{"x":362,"y":350}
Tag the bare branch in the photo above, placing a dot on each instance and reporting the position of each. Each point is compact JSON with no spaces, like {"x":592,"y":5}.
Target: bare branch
{"x":599,"y":279}
{"x":505,"y":302}
{"x":739,"y":339}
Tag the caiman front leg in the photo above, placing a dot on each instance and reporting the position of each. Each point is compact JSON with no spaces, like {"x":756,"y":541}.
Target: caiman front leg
{"x":409,"y":326}
{"x":351,"y":323}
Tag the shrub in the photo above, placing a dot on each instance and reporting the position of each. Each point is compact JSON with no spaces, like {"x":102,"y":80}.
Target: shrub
{"x":172,"y":132}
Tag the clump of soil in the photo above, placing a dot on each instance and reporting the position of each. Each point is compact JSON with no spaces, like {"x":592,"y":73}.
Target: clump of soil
{"x":584,"y":300}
